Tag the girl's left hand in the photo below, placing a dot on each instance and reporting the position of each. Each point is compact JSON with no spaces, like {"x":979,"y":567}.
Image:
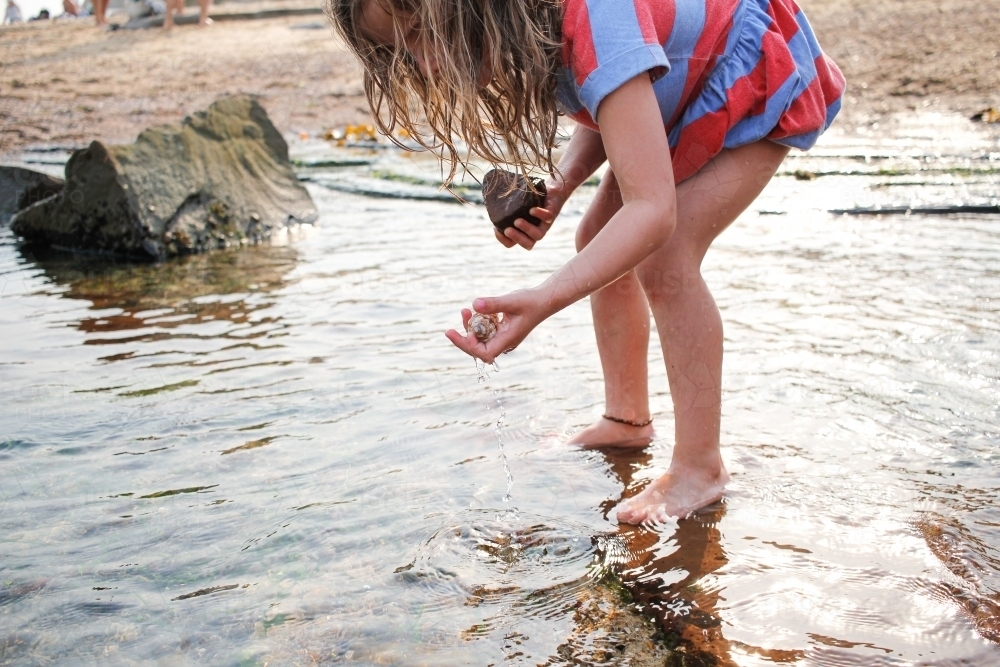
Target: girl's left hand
{"x":522,"y":311}
{"x":525,"y":234}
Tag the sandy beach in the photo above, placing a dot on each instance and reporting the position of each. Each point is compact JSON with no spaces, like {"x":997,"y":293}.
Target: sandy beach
{"x":67,"y":82}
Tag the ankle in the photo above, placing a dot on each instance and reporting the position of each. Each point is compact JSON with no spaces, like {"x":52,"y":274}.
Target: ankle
{"x":627,"y":413}
{"x":710,"y":469}
{"x":628,"y":421}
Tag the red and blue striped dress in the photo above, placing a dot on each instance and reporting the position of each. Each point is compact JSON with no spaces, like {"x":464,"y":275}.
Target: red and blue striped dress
{"x":725,"y":72}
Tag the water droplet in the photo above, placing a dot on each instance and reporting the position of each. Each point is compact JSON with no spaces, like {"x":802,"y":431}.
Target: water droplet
{"x":498,"y":429}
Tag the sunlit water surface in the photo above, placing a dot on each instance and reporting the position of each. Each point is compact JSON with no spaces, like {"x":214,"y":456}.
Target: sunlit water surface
{"x":274,"y":456}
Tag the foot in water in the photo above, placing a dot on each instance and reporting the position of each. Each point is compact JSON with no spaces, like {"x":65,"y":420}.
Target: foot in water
{"x":606,"y":433}
{"x":674,"y":495}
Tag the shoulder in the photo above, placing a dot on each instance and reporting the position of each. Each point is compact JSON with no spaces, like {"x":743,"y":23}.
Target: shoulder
{"x":598,"y":31}
{"x":607,"y":42}
{"x":653,"y":18}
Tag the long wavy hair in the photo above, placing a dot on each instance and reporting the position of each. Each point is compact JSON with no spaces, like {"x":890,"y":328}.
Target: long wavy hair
{"x":511,"y":120}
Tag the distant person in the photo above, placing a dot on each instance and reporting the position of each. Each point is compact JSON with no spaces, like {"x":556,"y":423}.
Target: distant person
{"x":168,"y":19}
{"x":100,"y":8}
{"x":13,"y":13}
{"x":70,"y":8}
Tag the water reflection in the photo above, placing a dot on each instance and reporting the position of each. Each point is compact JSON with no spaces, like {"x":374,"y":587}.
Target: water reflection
{"x":665,"y":568}
{"x":167,"y":295}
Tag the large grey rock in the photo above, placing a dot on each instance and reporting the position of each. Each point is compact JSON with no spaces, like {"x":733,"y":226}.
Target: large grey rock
{"x":220,"y":178}
{"x":20,"y":188}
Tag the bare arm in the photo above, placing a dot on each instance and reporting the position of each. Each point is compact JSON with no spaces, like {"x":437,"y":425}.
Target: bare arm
{"x":636,"y":145}
{"x":584,"y":154}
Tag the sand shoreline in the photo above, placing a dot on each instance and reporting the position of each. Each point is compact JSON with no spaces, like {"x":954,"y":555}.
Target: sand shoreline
{"x":67,"y":83}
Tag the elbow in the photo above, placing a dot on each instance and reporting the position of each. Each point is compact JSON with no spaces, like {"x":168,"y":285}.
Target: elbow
{"x":663,"y":224}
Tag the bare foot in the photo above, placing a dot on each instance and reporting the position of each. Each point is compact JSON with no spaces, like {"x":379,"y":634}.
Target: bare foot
{"x":606,"y":433}
{"x":676,"y":494}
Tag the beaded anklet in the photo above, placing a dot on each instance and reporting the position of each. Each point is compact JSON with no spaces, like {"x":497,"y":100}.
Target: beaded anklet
{"x":628,"y":422}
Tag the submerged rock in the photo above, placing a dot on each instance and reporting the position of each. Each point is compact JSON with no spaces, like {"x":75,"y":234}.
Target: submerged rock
{"x":20,"y":188}
{"x":220,"y":178}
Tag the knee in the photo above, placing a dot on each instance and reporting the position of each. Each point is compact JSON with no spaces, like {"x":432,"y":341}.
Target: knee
{"x":671,"y":279}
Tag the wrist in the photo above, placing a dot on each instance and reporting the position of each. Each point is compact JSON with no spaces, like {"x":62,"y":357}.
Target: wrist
{"x":559,"y":290}
{"x":545,"y":300}
{"x":557,"y":188}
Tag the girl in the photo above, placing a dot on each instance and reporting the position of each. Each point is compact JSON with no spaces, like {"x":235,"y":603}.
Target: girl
{"x":694,"y":103}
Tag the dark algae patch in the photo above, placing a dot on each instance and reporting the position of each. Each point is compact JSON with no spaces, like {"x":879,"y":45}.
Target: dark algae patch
{"x":253,"y":444}
{"x":159,"y":390}
{"x":174,"y":492}
{"x":205,"y":591}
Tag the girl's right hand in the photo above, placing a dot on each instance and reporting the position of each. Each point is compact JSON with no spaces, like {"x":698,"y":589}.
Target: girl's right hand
{"x":522,"y":311}
{"x":525,"y":234}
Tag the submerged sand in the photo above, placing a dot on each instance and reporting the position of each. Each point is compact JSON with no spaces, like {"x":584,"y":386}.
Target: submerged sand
{"x":68,"y":82}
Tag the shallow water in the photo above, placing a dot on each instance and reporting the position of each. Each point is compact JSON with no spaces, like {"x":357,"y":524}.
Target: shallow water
{"x":274,"y":456}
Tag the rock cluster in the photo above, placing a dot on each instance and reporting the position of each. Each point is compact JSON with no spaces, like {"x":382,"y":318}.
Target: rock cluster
{"x":219,"y":178}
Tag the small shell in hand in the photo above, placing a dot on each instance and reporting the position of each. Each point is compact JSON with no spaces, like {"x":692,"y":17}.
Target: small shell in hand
{"x":483,"y":325}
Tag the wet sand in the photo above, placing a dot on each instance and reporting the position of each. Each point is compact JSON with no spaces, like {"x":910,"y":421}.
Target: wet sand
{"x":69,"y":82}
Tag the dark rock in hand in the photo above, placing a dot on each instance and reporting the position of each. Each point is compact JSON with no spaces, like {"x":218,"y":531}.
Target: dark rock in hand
{"x":505,"y":204}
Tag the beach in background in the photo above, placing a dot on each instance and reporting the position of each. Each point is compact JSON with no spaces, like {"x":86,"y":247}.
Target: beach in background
{"x":68,"y":82}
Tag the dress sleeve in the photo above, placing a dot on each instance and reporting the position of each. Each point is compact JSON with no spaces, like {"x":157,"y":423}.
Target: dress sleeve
{"x":609,"y":42}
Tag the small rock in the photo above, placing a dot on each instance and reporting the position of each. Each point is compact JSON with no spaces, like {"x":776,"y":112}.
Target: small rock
{"x":504,"y":204}
{"x":20,"y":188}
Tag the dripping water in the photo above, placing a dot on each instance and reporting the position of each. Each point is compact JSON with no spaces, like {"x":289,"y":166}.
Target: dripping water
{"x":503,"y":616}
{"x":501,"y":416}
{"x":498,"y":429}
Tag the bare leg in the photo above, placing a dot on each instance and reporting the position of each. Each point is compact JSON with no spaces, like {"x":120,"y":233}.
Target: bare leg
{"x":690,"y":328}
{"x":621,"y":324}
{"x":100,"y":9}
{"x":168,"y":18}
{"x":203,"y":19}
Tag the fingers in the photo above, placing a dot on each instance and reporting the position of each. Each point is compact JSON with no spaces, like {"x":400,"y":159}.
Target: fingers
{"x":535,"y":232}
{"x":507,"y":243}
{"x":459,"y":341}
{"x":471,"y":346}
{"x":488,"y":304}
{"x":544,"y":214}
{"x":525,"y":234}
{"x":516,"y":236}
